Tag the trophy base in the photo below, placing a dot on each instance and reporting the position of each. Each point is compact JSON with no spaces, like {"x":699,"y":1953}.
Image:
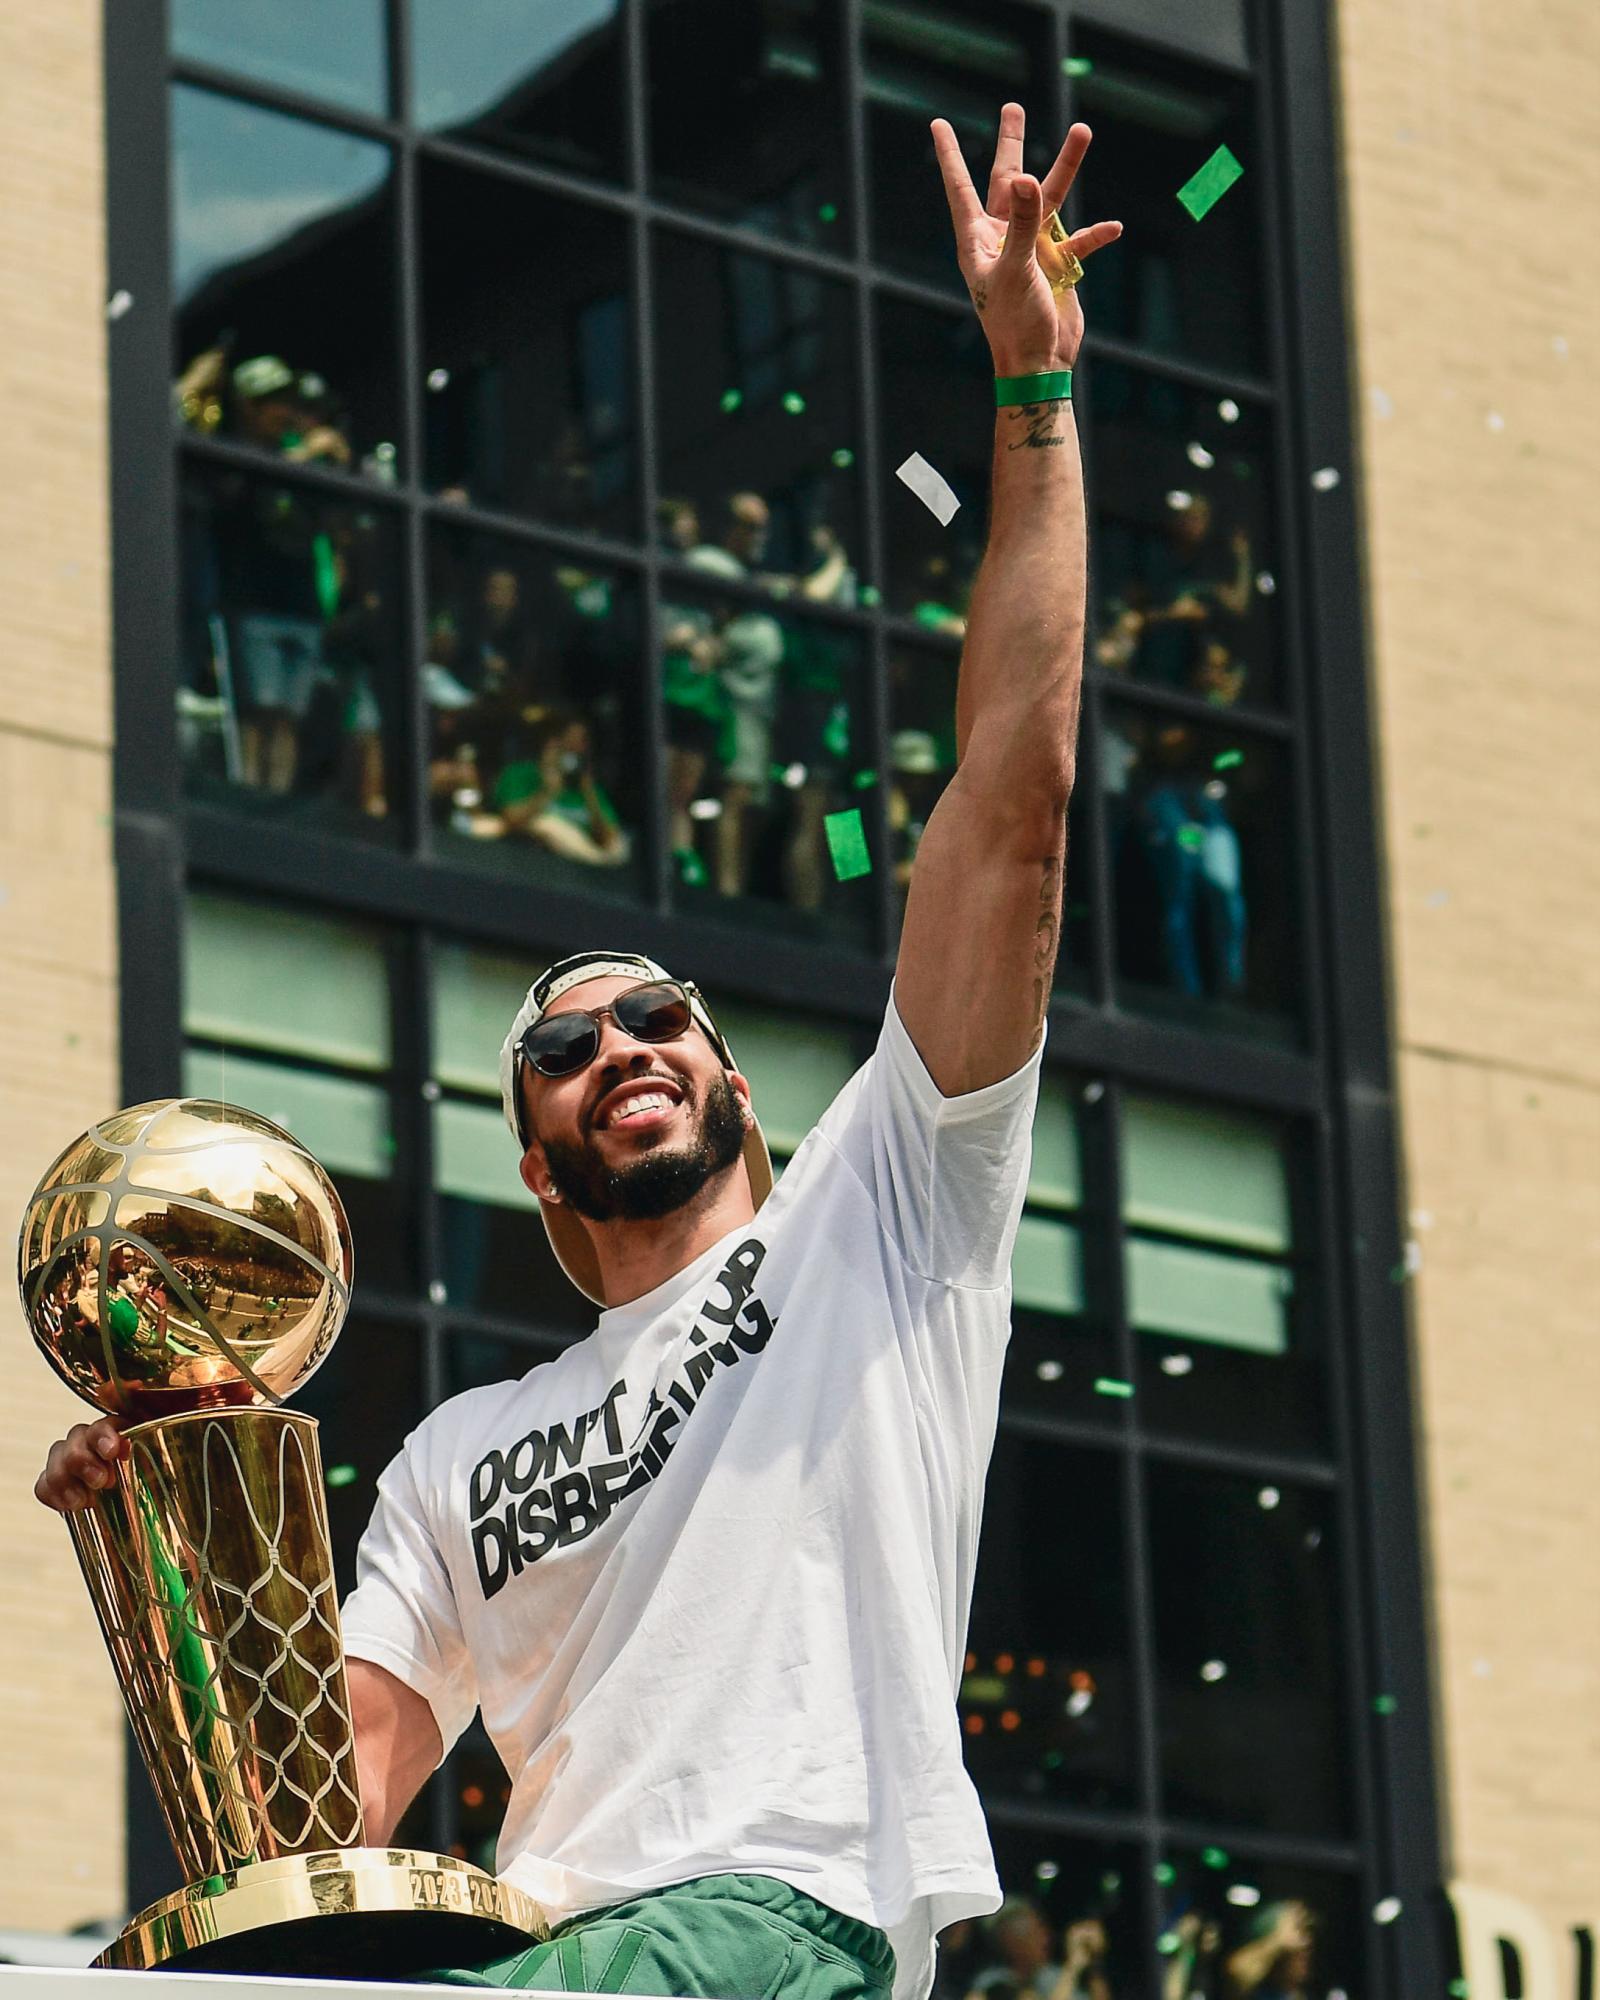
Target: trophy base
{"x":336,"y":1913}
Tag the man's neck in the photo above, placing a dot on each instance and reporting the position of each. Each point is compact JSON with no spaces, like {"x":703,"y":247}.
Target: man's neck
{"x":635,"y":1257}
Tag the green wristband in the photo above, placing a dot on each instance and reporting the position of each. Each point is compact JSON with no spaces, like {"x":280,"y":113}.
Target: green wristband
{"x":1054,"y":387}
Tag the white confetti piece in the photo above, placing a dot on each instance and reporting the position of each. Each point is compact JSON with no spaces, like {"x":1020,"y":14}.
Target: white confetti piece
{"x":1228,"y":410}
{"x":1177,"y":1364}
{"x":119,"y":303}
{"x":1199,"y":456}
{"x":1382,"y":403}
{"x":1560,"y":345}
{"x":1325,"y":478}
{"x":1386,"y":1911}
{"x":1495,"y":421}
{"x":437,"y":1293}
{"x":931,"y":488}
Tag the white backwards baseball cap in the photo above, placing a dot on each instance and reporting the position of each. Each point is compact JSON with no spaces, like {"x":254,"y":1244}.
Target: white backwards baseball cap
{"x":568,"y":1238}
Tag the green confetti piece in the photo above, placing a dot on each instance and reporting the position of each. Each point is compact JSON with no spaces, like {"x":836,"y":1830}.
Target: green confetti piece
{"x":342,"y":1475}
{"x":1227,"y":760}
{"x":1201,"y":193}
{"x":1168,"y":1943}
{"x":794,"y":403}
{"x":1384,"y":1704}
{"x":1077,"y":66}
{"x":1108,"y":1385}
{"x":1052,"y":1760}
{"x":1459,"y":1989}
{"x":844,"y":458}
{"x":1191,"y":838}
{"x":1214,"y":1857}
{"x":869,"y":594}
{"x":1165,"y":1873}
{"x":828,"y":212}
{"x":731,"y":399}
{"x":847,"y":843}
{"x":864,"y":780}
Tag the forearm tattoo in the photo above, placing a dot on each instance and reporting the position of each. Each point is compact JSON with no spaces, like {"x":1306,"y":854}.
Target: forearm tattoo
{"x":1038,"y":433}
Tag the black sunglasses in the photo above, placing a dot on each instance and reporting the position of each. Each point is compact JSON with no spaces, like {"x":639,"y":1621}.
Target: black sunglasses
{"x":562,"y":1044}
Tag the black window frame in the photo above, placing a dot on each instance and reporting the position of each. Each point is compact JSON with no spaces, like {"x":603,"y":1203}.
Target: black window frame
{"x":1340,"y":1083}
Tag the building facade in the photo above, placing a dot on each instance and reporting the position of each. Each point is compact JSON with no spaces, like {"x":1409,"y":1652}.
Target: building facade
{"x":458,"y":524}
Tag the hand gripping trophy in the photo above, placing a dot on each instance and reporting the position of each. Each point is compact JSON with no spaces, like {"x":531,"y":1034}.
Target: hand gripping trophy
{"x":187,"y":1264}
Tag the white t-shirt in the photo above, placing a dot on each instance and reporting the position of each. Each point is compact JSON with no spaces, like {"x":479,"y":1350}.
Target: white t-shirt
{"x":708,"y":1573}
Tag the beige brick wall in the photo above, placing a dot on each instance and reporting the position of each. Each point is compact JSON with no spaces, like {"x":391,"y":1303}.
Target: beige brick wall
{"x":61,"y":1776}
{"x":1472,"y":153}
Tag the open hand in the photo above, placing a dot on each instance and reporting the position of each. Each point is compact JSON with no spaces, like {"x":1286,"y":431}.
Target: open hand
{"x":1030,"y":328}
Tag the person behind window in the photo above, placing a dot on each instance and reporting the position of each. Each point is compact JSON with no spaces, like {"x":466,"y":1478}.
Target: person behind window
{"x":752,"y":653}
{"x":554,"y":797}
{"x":695,"y":703}
{"x":1174,"y":585}
{"x":813,"y":740}
{"x":1193,"y":1970}
{"x":496,"y":644}
{"x":1195,"y":857}
{"x":1277,"y":1959}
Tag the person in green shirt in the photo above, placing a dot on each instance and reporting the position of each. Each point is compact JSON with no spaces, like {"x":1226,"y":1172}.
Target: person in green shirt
{"x":554,"y":798}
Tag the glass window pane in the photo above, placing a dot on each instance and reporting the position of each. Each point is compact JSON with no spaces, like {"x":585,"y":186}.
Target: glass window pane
{"x":342,"y":1123}
{"x":1232,"y":1924}
{"x":922,"y":760}
{"x":1069,"y":1901}
{"x":1172,"y":284}
{"x":1055,"y":1178}
{"x":299,"y":45}
{"x":1046,"y":1694}
{"x":758,"y":365}
{"x":1250,"y":1659}
{"x":746,"y":115}
{"x":934,"y":375}
{"x":476,"y":995}
{"x":796,"y":1066}
{"x":1230,"y":1345}
{"x":1202,"y":856}
{"x":1205,"y":1170}
{"x":1054,"y":1362}
{"x":478,"y":1360}
{"x":527,"y":352}
{"x":281,"y":1006}
{"x":1227,"y":1299}
{"x":1185,"y":548}
{"x":365,"y":1397}
{"x":335,"y":969}
{"x":532,"y":678}
{"x":924,"y":62}
{"x":288,"y":701}
{"x":494,"y":1255}
{"x":766,"y":725}
{"x":538,"y":78}
{"x":283,"y":283}
{"x":1047,"y":1266}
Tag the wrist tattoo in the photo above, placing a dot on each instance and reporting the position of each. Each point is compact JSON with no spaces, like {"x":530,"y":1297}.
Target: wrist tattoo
{"x":1038,"y":420}
{"x":980,"y":295}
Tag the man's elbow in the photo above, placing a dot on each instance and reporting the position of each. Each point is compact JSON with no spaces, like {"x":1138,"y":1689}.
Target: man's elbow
{"x":1023,"y":782}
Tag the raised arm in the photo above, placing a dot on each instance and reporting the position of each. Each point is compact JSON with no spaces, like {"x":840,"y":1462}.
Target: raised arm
{"x":983,"y":916}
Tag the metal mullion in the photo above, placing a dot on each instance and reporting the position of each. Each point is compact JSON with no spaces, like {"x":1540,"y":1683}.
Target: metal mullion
{"x":1108,"y":1129}
{"x":1363,"y":1653}
{"x":1310,"y":1470}
{"x":1291,"y":487}
{"x":1173,"y":701}
{"x":352,"y":486}
{"x":525,"y":173}
{"x":291,"y":103}
{"x":1298,"y":1850}
{"x":416,"y":721}
{"x":658,"y":846}
{"x":1098,"y":1823}
{"x":879,"y":721}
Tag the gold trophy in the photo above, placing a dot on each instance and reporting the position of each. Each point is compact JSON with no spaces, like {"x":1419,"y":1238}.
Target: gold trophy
{"x":188,"y":1264}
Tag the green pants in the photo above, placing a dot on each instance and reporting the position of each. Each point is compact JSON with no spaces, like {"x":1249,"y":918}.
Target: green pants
{"x":719,"y":1937}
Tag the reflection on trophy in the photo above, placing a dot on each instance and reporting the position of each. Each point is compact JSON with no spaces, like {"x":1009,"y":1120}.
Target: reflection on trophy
{"x":188,"y":1264}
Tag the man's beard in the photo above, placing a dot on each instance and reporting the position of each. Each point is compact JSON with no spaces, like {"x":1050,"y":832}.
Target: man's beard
{"x":656,"y":1183}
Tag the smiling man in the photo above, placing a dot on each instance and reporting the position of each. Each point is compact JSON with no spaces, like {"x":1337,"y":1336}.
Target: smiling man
{"x":708,"y":1572}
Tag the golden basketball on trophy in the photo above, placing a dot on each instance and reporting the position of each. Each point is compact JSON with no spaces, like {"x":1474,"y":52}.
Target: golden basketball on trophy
{"x":187,"y":1264}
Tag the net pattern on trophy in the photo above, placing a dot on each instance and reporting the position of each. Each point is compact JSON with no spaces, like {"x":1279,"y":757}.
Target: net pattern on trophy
{"x":185,"y":1254}
{"x":215,"y":1589}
